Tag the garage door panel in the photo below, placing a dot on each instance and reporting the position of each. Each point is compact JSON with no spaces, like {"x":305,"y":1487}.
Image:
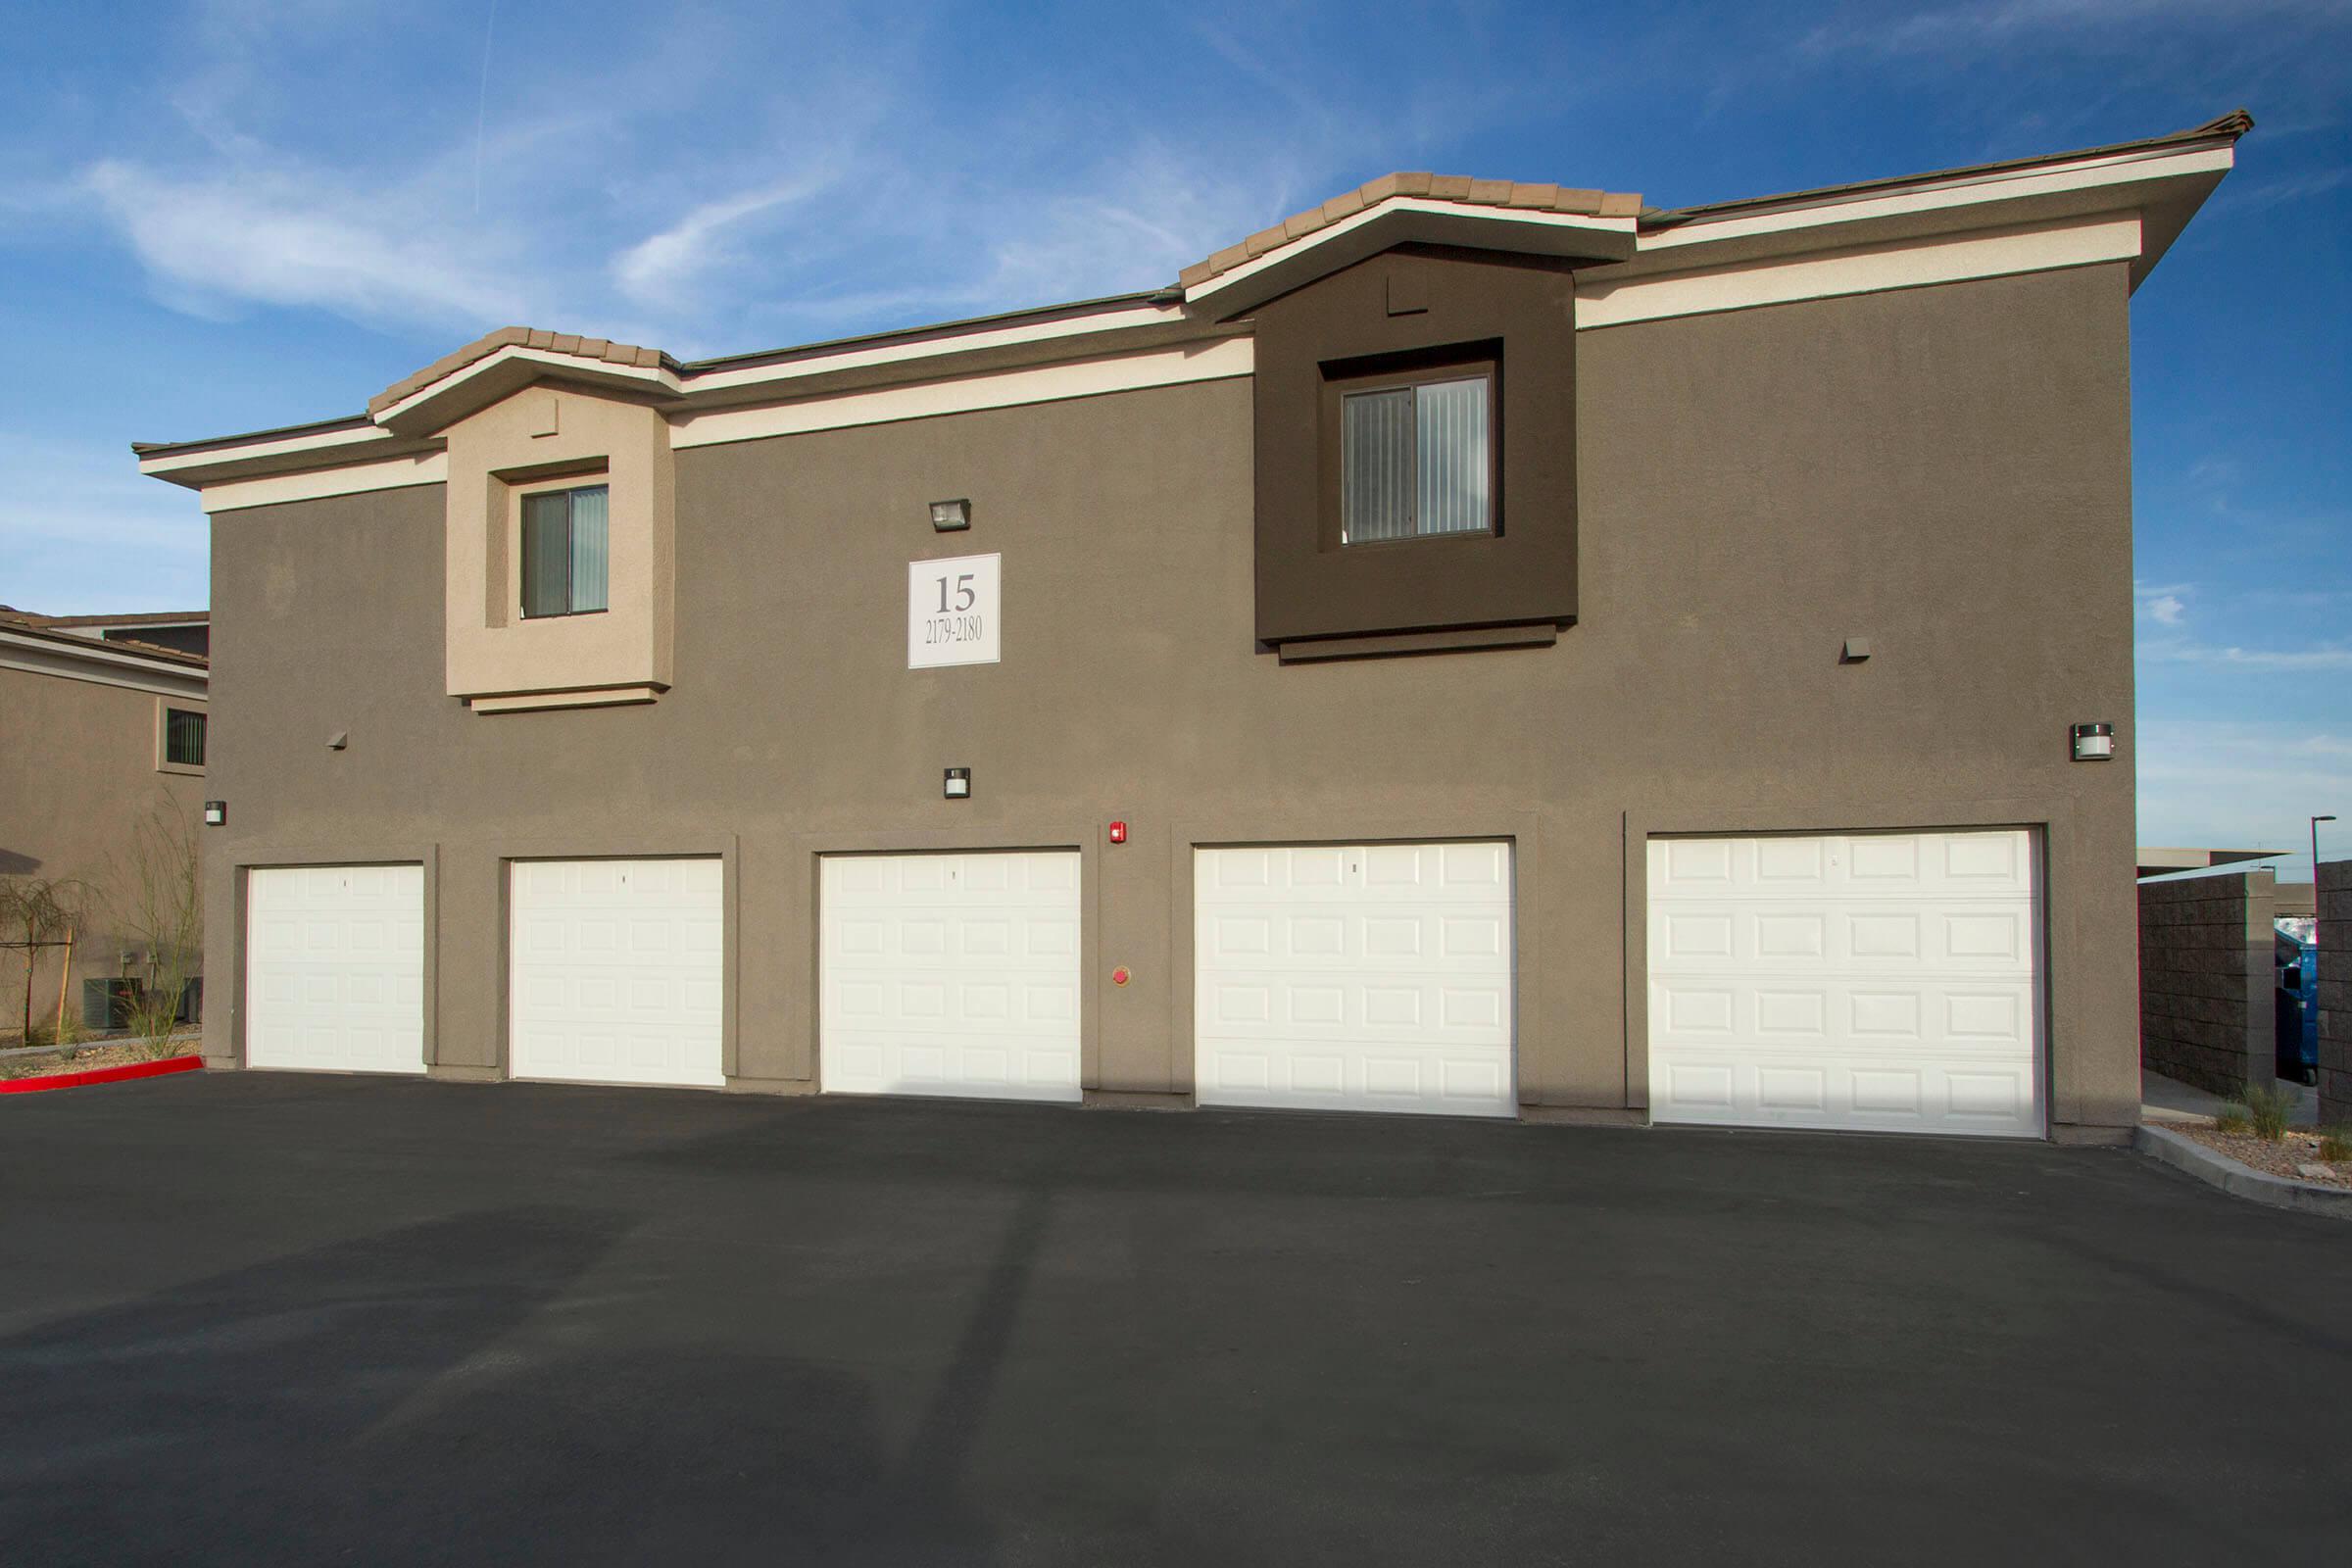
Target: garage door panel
{"x":951,"y":974}
{"x":1351,"y":1073}
{"x":618,"y":971}
{"x":335,"y":968}
{"x":1375,"y":978}
{"x":1882,"y":981}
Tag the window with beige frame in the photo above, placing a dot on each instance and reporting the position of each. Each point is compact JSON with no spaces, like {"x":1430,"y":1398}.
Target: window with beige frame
{"x":179,"y":736}
{"x":563,"y":542}
{"x":559,"y":552}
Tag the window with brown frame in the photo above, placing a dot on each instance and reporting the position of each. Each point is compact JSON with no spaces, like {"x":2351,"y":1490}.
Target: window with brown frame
{"x":1417,"y":458}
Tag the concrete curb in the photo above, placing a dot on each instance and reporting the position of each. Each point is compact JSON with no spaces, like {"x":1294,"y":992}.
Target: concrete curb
{"x":2216,"y":1170}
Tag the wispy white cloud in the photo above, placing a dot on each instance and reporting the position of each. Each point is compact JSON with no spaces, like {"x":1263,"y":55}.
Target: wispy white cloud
{"x":2285,"y":190}
{"x":2165,"y":603}
{"x":2003,"y":22}
{"x":2324,"y":656}
{"x":2250,"y":783}
{"x":245,"y":236}
{"x":845,"y":199}
{"x":659,"y":270}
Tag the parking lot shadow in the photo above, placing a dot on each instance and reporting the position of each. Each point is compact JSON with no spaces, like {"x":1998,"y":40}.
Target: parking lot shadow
{"x":402,"y":1396}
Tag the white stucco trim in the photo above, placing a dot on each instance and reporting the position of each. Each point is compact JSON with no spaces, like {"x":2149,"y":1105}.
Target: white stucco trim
{"x":330,"y":445}
{"x":2008,"y":185}
{"x":351,"y":479}
{"x":656,"y":378}
{"x":101,"y":666}
{"x":1861,"y":269}
{"x":1051,"y":383}
{"x":850,"y":357}
{"x":1521,"y":217}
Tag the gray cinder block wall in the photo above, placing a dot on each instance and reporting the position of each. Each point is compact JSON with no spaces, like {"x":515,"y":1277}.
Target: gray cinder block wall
{"x":2335,"y":994}
{"x":2205,"y":980}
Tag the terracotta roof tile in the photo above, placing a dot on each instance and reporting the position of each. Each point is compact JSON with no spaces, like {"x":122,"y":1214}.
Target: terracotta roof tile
{"x":1346,"y":206}
{"x":1531,"y":197}
{"x":600,"y":349}
{"x":81,"y":642}
{"x":143,"y":618}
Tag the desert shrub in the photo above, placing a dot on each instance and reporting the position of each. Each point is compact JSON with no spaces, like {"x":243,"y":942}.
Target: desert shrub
{"x":160,"y":900}
{"x":2335,"y":1145}
{"x":2267,"y":1108}
{"x":2233,"y":1120}
{"x":37,"y":914}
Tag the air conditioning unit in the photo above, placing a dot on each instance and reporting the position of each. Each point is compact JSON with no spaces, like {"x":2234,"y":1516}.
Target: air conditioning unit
{"x":107,"y":1003}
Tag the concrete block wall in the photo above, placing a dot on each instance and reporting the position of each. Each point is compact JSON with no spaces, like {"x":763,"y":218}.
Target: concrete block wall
{"x":2335,"y":994}
{"x":2205,"y":979}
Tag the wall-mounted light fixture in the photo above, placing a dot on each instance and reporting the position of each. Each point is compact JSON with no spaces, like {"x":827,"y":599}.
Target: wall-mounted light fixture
{"x":2093,"y":743}
{"x":957,"y":785}
{"x":1856,"y":651}
{"x":338,"y":740}
{"x":951,"y":517}
{"x":215,"y":813}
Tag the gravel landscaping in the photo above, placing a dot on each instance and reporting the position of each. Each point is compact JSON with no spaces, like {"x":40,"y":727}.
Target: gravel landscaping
{"x":2295,"y":1157}
{"x":87,"y":1059}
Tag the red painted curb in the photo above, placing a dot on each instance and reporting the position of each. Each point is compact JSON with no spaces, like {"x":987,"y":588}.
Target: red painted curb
{"x":100,"y":1075}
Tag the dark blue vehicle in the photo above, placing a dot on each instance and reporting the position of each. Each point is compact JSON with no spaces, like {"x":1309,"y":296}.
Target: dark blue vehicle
{"x":2296,"y":1005}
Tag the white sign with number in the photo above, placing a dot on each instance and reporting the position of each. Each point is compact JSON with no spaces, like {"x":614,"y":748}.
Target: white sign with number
{"x":952,"y":612}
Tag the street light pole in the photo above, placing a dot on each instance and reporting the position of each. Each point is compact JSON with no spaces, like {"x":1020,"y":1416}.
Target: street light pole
{"x":2315,"y":860}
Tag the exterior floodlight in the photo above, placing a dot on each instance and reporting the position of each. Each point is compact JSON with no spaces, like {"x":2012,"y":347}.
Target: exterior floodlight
{"x":2094,"y":743}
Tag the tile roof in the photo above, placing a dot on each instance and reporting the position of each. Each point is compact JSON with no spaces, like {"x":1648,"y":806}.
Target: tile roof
{"x":1541,"y":198}
{"x":481,"y":347}
{"x":1461,"y":188}
{"x":155,"y":617}
{"x":29,"y":625}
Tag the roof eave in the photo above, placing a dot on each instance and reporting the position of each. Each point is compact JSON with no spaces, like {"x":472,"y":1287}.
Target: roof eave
{"x":1408,"y":221}
{"x":2222,"y":130}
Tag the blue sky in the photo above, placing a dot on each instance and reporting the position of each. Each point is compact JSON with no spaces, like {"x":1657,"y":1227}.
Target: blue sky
{"x":226,"y":217}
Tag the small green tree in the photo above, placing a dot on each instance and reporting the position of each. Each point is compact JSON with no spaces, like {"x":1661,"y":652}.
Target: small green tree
{"x":36,"y":913}
{"x":157,"y":889}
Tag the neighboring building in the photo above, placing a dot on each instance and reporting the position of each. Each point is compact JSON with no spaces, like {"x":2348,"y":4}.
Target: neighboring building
{"x":95,"y":735}
{"x":185,"y":631}
{"x":2168,"y":861}
{"x":2333,"y":994}
{"x":1473,"y":648}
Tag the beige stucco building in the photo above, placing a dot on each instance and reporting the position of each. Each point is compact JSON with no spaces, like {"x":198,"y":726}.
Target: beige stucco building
{"x":1472,"y":648}
{"x":99,"y":732}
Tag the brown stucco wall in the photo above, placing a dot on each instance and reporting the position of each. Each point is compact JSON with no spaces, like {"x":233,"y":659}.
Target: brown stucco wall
{"x":1945,"y":470}
{"x":76,"y":771}
{"x":2206,"y":956}
{"x":2336,"y":992}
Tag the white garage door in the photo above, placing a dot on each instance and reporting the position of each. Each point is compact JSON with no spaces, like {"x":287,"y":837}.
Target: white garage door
{"x":951,"y":974}
{"x":617,"y":971}
{"x":334,"y":973}
{"x":1880,"y":982}
{"x":1373,"y":978}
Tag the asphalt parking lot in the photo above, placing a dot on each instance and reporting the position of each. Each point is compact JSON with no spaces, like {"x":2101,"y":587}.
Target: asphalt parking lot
{"x":263,"y":1318}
